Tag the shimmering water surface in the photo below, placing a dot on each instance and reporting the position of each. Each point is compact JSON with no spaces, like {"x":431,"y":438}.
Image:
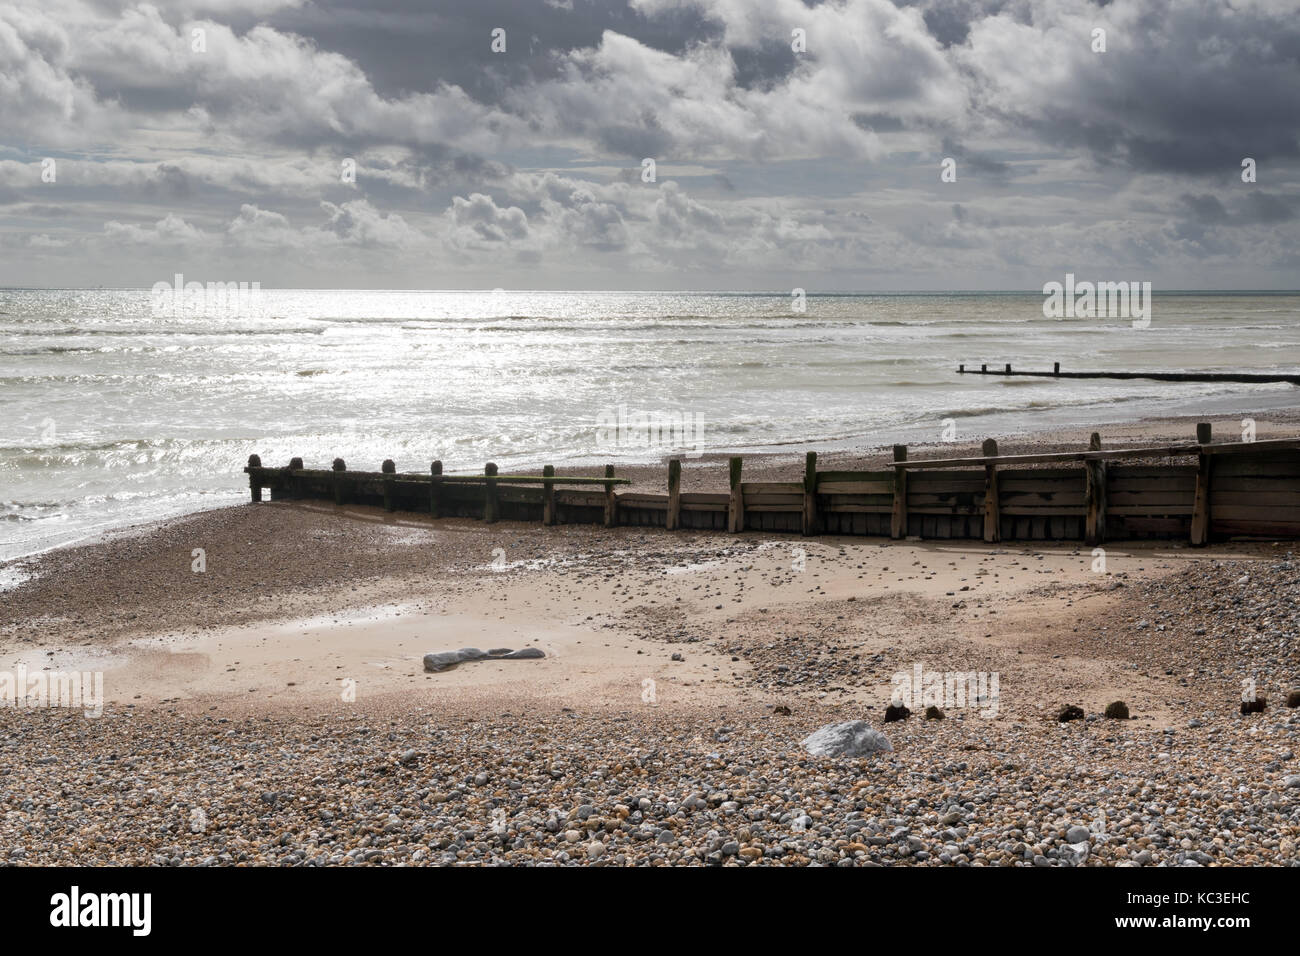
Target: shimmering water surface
{"x":112,"y":414}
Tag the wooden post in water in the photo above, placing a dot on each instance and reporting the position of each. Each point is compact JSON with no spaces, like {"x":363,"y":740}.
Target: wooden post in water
{"x":898,"y":522}
{"x":992,"y":505}
{"x":338,"y":468}
{"x":435,"y":488}
{"x":611,"y":501}
{"x":674,"y":518}
{"x":809,"y":524}
{"x":736,"y":505}
{"x":388,"y":468}
{"x":490,"y":493}
{"x":1056,"y":368}
{"x":1094,"y":496}
{"x":1201,"y":504}
{"x":254,"y":481}
{"x":548,"y":496}
{"x":1008,"y":372}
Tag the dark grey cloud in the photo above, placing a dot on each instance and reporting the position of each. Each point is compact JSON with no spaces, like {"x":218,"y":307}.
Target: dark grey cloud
{"x":413,"y":45}
{"x":770,"y":161}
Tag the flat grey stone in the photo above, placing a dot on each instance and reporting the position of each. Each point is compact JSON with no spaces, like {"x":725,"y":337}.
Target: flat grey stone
{"x":444,"y":660}
{"x":852,"y":738}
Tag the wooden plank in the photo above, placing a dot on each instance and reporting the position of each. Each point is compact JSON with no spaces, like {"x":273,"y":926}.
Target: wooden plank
{"x":640,"y":499}
{"x":1274,"y":449}
{"x":674,"y":519}
{"x":1163,"y":451}
{"x":580,"y":499}
{"x":772,"y":488}
{"x":1249,"y":513}
{"x":1255,"y":483}
{"x":970,"y":508}
{"x":947,"y":481}
{"x":1254,"y":499}
{"x":1256,"y":467}
{"x":1028,"y":486}
{"x":530,"y":496}
{"x":838,"y":501}
{"x":1152,"y":499}
{"x":1185,"y":508}
{"x":1165,"y":526}
{"x":881,"y":487}
{"x":1201,"y":503}
{"x":1258,"y":529}
{"x":705,"y":497}
{"x":808,"y":523}
{"x":898,"y":524}
{"x":736,"y":505}
{"x":783,"y":502}
{"x":526,"y":480}
{"x":825,"y":476}
{"x":1153,"y":472}
{"x":1079,"y":511}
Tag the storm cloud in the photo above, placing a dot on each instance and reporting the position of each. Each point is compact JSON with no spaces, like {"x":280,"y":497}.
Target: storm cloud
{"x":650,"y":143}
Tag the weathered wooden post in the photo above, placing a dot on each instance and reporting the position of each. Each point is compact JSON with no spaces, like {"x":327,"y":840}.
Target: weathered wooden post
{"x":388,"y":468}
{"x":548,"y":496}
{"x":611,"y":501}
{"x":736,"y":504}
{"x":490,"y":493}
{"x":992,"y":505}
{"x":674,"y":518}
{"x":898,"y":521}
{"x":809,"y":523}
{"x":435,"y":489}
{"x":338,"y":468}
{"x":1201,"y":505}
{"x":295,"y":482}
{"x":1094,"y":496}
{"x":254,"y":480}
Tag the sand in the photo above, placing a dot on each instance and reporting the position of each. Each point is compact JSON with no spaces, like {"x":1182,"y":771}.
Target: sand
{"x":309,"y":618}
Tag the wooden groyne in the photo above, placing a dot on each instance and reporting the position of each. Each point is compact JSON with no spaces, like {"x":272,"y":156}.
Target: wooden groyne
{"x":1222,"y":490}
{"x":1251,"y":377}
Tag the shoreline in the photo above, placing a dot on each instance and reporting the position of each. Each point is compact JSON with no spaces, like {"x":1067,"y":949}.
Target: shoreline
{"x":788,"y":465}
{"x":663,"y":726}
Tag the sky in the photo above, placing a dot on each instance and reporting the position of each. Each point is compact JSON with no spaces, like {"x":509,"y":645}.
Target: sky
{"x":509,"y":143}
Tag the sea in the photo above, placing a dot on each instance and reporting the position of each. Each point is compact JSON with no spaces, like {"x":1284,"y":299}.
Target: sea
{"x":118,"y":408}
